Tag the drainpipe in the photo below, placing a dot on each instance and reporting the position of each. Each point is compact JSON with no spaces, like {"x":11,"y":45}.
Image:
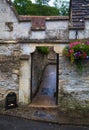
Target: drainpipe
{"x":76,"y":36}
{"x":70,"y":12}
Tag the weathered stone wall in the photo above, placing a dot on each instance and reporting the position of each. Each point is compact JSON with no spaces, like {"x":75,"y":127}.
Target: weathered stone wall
{"x":54,"y":30}
{"x":57,"y":30}
{"x":82,"y":33}
{"x":39,"y":62}
{"x":9,"y":70}
{"x":9,"y":76}
{"x":52,"y":57}
{"x":73,"y":87}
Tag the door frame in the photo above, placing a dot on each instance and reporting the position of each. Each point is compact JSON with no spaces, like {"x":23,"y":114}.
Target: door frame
{"x":57,"y":78}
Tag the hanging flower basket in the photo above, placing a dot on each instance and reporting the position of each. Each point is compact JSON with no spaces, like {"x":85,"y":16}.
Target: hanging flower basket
{"x":77,"y":52}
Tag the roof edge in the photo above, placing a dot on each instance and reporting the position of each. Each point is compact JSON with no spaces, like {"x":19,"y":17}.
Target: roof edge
{"x":47,"y":18}
{"x":13,"y":9}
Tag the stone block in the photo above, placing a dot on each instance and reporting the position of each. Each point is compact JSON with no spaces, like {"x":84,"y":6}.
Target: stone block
{"x":55,"y":25}
{"x":24,"y":57}
{"x":72,"y":34}
{"x":15,"y":71}
{"x":37,"y":35}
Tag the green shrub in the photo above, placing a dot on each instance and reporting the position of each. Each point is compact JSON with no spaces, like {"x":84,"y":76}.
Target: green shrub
{"x":43,"y":50}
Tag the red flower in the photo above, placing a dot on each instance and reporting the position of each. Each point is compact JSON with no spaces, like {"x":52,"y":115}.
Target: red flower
{"x":68,"y":54}
{"x":84,"y":55}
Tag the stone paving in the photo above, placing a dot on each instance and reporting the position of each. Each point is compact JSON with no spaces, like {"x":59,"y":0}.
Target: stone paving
{"x":45,"y":96}
{"x":14,"y":123}
{"x":53,"y":115}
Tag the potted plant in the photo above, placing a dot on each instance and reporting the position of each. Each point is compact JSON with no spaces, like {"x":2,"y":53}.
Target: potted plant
{"x":77,"y":52}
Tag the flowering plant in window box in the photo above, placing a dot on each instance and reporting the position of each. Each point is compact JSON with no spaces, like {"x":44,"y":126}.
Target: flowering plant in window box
{"x":77,"y":52}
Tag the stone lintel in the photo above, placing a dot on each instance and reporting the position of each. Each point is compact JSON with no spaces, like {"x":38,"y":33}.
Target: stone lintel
{"x":34,"y":41}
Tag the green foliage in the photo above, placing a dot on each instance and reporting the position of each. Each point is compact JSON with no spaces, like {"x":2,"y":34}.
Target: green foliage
{"x":64,"y":10}
{"x":43,"y":10}
{"x":43,"y":50}
{"x":22,"y":6}
{"x":42,"y":2}
{"x":26,"y":7}
{"x":62,"y":6}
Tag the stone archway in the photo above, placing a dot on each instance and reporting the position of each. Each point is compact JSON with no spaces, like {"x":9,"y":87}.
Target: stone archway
{"x":25,"y":71}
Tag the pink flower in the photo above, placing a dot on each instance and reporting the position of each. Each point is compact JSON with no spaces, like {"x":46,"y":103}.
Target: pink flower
{"x":71,"y":51}
{"x":88,"y":42}
{"x":73,"y":44}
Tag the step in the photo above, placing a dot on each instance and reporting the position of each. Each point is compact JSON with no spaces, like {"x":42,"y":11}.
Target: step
{"x":42,"y":106}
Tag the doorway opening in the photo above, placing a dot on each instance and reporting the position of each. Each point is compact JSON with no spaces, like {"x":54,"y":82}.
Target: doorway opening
{"x":44,"y":81}
{"x":11,"y":101}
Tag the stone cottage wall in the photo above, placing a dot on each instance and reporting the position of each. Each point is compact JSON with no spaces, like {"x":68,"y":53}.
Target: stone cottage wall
{"x":73,"y":87}
{"x":19,"y":39}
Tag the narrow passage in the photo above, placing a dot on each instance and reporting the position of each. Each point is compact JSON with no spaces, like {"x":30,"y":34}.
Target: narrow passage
{"x":45,"y":96}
